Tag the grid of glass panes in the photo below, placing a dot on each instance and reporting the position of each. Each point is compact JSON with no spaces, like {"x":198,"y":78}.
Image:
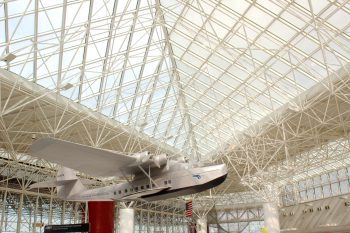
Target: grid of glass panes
{"x":248,"y":220}
{"x":147,"y":221}
{"x":237,"y":61}
{"x":30,"y":213}
{"x":321,"y":186}
{"x":241,"y":227}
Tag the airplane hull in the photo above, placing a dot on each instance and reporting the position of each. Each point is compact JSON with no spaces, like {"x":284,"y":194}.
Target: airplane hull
{"x":155,"y":177}
{"x":165,"y":194}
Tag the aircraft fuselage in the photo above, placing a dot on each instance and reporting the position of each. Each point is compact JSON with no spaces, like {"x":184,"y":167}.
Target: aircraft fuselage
{"x":178,"y":180}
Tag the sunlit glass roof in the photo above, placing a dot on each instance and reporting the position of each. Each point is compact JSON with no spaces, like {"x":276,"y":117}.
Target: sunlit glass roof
{"x":190,"y":73}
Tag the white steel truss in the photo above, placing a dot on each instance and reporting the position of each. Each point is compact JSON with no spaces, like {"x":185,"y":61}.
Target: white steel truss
{"x":260,"y":85}
{"x":191,"y":73}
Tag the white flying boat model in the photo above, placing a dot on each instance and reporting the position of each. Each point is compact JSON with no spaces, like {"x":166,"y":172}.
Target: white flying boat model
{"x":156,"y":177}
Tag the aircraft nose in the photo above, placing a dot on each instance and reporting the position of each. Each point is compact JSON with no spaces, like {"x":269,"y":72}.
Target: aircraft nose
{"x":223,"y":168}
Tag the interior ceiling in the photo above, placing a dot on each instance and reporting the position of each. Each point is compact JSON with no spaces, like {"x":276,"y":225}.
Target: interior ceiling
{"x":308,"y":136}
{"x":193,"y":74}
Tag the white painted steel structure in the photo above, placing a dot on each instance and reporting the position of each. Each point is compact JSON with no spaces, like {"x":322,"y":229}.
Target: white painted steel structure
{"x":245,"y":219}
{"x":201,"y":225}
{"x":271,"y":217}
{"x":194,"y":74}
{"x":126,"y":220}
{"x":260,"y":85}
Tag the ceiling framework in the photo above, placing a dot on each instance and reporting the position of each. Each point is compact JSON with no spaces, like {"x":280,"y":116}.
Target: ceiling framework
{"x":29,"y":112}
{"x":191,"y":73}
{"x":308,"y":136}
{"x":260,"y":85}
{"x":239,"y":62}
{"x":114,"y":55}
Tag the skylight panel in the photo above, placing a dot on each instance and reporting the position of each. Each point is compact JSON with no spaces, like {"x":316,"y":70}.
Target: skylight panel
{"x":77,"y":13}
{"x":239,"y":6}
{"x":219,"y":32}
{"x":293,"y":18}
{"x":340,"y":19}
{"x":49,"y":20}
{"x":258,"y":16}
{"x":223,"y":15}
{"x":211,"y":62}
{"x":2,"y":32}
{"x":239,"y":72}
{"x":18,"y":7}
{"x":281,"y":30}
{"x":20,"y":27}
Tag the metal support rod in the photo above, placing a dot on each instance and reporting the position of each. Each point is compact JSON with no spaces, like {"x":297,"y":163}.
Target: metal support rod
{"x":148,"y":175}
{"x":35,"y":213}
{"x":50,"y":211}
{"x":4,"y":203}
{"x":76,"y":206}
{"x":19,"y":213}
{"x":63,"y":213}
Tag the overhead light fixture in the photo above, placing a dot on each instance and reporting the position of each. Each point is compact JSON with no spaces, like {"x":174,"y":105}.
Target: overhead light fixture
{"x":143,"y":124}
{"x":67,"y":86}
{"x":169,"y":137}
{"x":290,"y":229}
{"x":8,"y":57}
{"x":329,"y":225}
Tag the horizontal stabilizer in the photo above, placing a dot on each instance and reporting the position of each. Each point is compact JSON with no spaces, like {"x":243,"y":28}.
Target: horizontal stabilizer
{"x":51,"y":183}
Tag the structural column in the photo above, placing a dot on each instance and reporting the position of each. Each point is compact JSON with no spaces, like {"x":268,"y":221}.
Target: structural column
{"x":271,"y":217}
{"x":19,"y":213}
{"x":101,"y":216}
{"x":126,"y":220}
{"x":201,"y":225}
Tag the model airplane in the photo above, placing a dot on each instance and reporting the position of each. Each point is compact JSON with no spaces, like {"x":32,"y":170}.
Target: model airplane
{"x":155,"y":176}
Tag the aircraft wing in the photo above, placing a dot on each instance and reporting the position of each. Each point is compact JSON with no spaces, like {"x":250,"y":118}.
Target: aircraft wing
{"x":92,"y":161}
{"x":142,"y":193}
{"x":50,"y":183}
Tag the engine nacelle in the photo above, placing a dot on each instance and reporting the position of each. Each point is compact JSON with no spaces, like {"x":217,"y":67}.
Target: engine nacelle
{"x":182,"y":159}
{"x":142,"y":157}
{"x":160,"y":160}
{"x":145,"y":159}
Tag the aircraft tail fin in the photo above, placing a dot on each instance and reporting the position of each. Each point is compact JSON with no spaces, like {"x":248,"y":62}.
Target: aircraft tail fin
{"x":67,"y":183}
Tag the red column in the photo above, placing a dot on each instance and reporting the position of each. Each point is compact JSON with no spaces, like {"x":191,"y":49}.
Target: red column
{"x":192,"y":228}
{"x":83,"y":220}
{"x":101,"y":216}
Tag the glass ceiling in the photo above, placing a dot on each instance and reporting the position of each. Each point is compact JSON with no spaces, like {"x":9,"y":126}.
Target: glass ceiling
{"x":190,"y":73}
